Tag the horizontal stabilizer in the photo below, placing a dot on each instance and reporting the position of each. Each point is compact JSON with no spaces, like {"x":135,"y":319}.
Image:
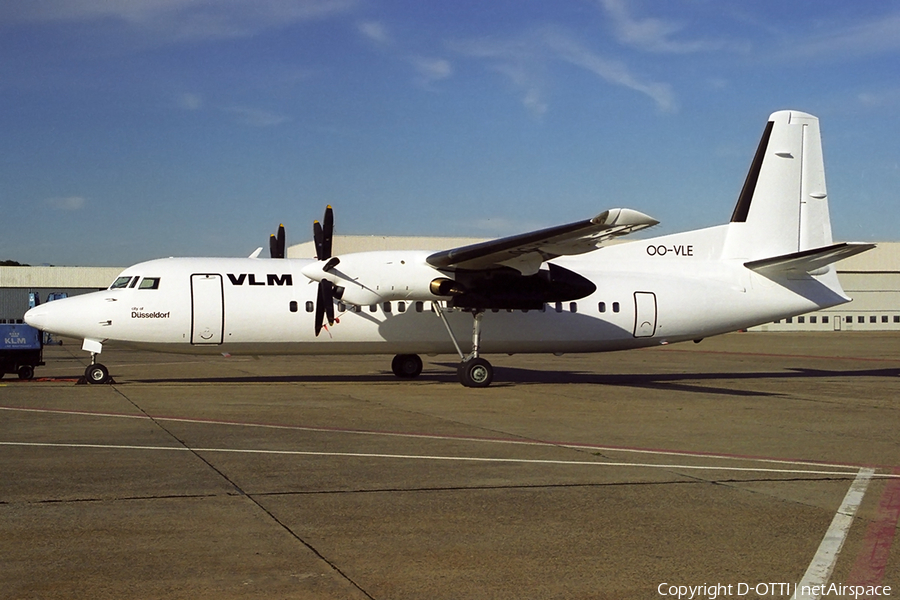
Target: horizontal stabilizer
{"x":807,"y":261}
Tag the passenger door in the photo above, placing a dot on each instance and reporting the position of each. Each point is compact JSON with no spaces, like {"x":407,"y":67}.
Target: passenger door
{"x":644,"y":314}
{"x":207,"y":309}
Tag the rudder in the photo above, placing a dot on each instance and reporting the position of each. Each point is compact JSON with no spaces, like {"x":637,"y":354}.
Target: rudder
{"x":783,"y":206}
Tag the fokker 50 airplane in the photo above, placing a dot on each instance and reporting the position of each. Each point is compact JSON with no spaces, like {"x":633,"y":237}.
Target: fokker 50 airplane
{"x":556,"y":290}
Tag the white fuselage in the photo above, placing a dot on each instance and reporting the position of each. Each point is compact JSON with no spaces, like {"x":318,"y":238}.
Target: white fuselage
{"x":649,"y":292}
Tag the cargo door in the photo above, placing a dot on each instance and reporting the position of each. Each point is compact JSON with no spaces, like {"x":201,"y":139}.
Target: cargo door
{"x":207,"y":309}
{"x":644,"y":314}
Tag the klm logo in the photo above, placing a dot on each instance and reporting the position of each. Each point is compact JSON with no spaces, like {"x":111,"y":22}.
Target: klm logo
{"x":271,"y":279}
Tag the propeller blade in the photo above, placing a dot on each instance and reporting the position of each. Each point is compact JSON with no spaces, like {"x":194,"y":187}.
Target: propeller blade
{"x":280,"y":241}
{"x":328,"y":296}
{"x":276,"y":243}
{"x":319,"y":240}
{"x":324,"y":305}
{"x":327,"y":232}
{"x":320,"y":309}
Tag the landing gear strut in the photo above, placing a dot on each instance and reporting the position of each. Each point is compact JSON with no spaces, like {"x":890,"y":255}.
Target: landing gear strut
{"x":473,"y":371}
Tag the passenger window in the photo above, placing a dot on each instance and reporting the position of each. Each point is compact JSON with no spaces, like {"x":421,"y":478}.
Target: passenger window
{"x":293,"y":306}
{"x":420,"y":306}
{"x":310,"y":307}
{"x":401,"y":307}
{"x":149,"y":283}
{"x":119,"y":283}
{"x":387,"y":307}
{"x":559,"y":307}
{"x":573,"y":307}
{"x":615,"y":307}
{"x":602,"y":307}
{"x":373,"y":307}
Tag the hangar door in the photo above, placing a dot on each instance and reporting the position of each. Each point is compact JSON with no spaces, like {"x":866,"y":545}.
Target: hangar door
{"x":207,"y":309}
{"x":644,"y":314}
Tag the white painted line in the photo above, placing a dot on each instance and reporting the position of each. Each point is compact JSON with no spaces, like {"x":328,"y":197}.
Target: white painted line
{"x":455,"y":438}
{"x":597,"y":463}
{"x":823,"y":562}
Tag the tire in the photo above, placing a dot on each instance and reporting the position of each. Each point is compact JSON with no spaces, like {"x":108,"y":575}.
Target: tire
{"x":407,"y":366}
{"x":96,"y":373}
{"x":26,"y":372}
{"x":475,"y":373}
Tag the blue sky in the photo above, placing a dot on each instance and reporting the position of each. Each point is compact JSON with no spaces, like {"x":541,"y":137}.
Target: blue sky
{"x":133,"y":129}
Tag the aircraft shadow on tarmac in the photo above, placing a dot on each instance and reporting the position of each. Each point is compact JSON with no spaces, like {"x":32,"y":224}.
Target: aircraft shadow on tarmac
{"x":509,"y":376}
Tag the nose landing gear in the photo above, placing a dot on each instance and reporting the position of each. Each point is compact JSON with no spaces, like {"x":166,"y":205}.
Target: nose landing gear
{"x":95,"y":372}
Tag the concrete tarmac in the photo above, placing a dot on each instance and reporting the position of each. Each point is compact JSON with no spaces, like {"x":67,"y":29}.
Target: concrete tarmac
{"x":618,"y":475}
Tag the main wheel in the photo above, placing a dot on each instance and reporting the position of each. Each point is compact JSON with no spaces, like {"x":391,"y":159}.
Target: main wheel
{"x":406,"y":366}
{"x":476,"y":373}
{"x":96,"y":373}
{"x":26,"y":372}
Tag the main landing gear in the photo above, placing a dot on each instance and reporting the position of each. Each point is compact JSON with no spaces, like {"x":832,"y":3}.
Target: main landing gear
{"x":473,"y":371}
{"x":407,"y":366}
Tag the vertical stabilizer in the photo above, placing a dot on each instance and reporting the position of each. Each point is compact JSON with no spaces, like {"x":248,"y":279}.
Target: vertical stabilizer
{"x":783,"y":206}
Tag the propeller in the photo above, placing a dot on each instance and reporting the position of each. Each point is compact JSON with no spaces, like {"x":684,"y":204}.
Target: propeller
{"x":322,"y":236}
{"x":276,"y":243}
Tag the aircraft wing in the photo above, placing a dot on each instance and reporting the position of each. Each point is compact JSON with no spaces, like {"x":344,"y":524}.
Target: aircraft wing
{"x":527,"y":251}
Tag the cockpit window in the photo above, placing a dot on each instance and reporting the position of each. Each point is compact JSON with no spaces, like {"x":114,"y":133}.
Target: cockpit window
{"x":149,"y":283}
{"x":121,"y":282}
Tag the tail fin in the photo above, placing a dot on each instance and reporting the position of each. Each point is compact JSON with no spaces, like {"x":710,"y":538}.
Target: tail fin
{"x":783,"y":206}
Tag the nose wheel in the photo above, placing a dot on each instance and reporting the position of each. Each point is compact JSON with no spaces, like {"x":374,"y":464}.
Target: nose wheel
{"x":96,"y":373}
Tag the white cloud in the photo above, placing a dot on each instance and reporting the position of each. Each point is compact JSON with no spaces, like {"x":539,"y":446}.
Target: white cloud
{"x":432,"y":69}
{"x":525,"y":63}
{"x":878,"y":36}
{"x":181,"y":19}
{"x":611,"y":70}
{"x":374,"y":31}
{"x":67,"y":203}
{"x":522,"y":64}
{"x":255,"y":117}
{"x":191,"y":101}
{"x":651,"y":34}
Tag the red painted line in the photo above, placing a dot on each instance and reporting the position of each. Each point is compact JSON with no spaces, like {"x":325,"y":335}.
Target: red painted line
{"x":765,"y":354}
{"x":871,"y":563}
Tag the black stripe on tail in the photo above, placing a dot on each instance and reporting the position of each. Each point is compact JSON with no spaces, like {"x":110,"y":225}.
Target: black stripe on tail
{"x":742,"y":208}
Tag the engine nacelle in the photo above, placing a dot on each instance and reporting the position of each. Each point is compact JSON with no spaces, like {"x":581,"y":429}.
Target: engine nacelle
{"x":366,"y":278}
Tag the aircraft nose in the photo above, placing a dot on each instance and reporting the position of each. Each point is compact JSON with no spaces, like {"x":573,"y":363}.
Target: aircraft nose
{"x":38,"y":317}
